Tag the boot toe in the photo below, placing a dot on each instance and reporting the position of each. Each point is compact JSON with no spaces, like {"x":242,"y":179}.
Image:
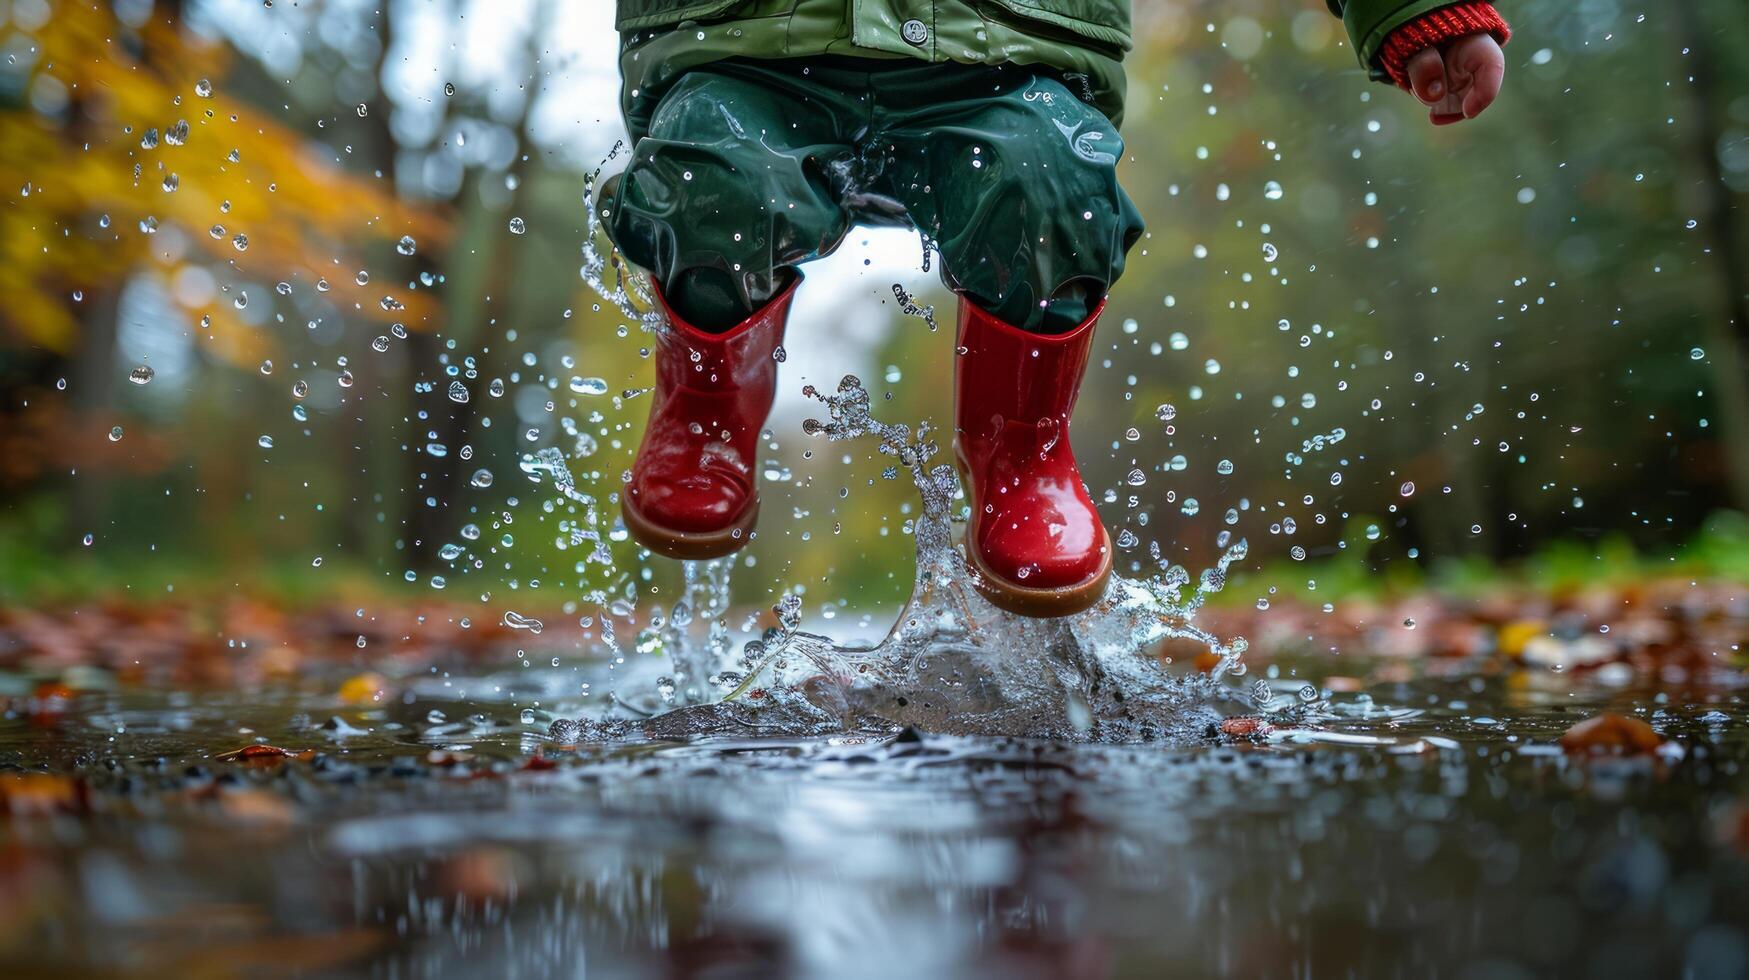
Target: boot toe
{"x":695,"y":504}
{"x":1039,"y":549}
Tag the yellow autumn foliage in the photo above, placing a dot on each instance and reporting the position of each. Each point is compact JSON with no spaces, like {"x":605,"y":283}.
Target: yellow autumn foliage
{"x":76,"y":185}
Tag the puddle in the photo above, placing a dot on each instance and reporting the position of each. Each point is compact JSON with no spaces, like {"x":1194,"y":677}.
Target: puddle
{"x":1425,"y":824}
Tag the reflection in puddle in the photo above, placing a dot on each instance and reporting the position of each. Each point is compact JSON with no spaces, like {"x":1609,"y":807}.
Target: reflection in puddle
{"x":434,"y":837}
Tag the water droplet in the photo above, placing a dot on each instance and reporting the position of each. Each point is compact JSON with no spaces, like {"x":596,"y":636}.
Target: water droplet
{"x":204,"y":89}
{"x":266,"y":367}
{"x":458,"y":392}
{"x":300,"y":388}
{"x":142,"y":375}
{"x":345,"y":379}
{"x":517,"y":227}
{"x":517,"y":621}
{"x":482,"y":478}
{"x":115,"y":434}
{"x":380,"y":344}
{"x":1407,"y":489}
{"x":406,"y":246}
{"x":240,"y":242}
{"x":1697,"y":354}
{"x":589,"y":386}
{"x":265,"y":442}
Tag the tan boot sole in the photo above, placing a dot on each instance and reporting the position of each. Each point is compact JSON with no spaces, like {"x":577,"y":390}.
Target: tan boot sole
{"x":1010,"y":596}
{"x":1040,"y":603}
{"x":689,"y":545}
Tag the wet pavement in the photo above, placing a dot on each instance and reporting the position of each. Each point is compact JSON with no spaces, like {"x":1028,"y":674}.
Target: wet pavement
{"x":1432,"y":826}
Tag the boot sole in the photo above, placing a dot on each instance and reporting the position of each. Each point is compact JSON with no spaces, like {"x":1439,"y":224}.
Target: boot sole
{"x":689,"y":545}
{"x":1010,"y":596}
{"x":1064,"y":600}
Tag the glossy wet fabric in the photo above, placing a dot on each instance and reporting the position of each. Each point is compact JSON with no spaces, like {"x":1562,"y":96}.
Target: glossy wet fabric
{"x":753,"y":167}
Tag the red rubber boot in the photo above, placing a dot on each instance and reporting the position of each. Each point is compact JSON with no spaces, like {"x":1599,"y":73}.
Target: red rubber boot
{"x":1034,"y":537}
{"x":692,"y":493}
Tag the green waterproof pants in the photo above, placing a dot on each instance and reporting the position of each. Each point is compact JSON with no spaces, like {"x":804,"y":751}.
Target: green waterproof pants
{"x":752,"y":167}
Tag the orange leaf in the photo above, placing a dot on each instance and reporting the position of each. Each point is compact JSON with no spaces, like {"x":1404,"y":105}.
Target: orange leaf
{"x":1611,"y":734}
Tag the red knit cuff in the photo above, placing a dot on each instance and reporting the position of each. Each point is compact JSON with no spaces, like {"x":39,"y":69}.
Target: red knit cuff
{"x":1435,"y":28}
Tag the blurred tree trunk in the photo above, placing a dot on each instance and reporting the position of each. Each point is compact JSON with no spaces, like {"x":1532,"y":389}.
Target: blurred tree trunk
{"x":92,"y":380}
{"x":421,"y":474}
{"x":1728,"y":330}
{"x":490,"y":305}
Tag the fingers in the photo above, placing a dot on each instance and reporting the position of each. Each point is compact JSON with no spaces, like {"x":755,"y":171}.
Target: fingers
{"x":1426,"y":73}
{"x":1471,"y":71}
{"x":1487,"y":69}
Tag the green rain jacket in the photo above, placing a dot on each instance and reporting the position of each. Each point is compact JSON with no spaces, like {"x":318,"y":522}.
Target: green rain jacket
{"x":1083,"y":41}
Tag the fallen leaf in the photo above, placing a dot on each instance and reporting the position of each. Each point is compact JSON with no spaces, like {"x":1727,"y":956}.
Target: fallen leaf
{"x":265,"y":755}
{"x":1611,"y":734}
{"x":1516,"y":635}
{"x":1245,"y":726}
{"x":365,"y":688}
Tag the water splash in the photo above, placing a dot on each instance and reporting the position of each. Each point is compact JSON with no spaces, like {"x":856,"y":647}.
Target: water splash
{"x":952,"y":662}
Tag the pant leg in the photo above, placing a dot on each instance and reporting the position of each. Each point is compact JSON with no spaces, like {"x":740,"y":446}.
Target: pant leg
{"x":731,"y":187}
{"x":1015,"y":180}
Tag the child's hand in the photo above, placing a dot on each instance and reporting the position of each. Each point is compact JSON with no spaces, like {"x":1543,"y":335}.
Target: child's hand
{"x":1459,"y":79}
